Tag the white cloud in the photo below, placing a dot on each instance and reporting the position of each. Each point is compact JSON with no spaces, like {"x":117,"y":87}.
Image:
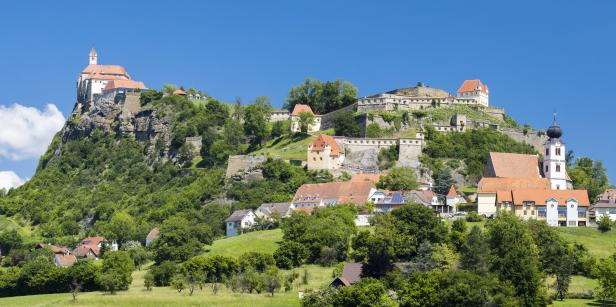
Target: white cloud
{"x":8,"y":179}
{"x":25,"y":132}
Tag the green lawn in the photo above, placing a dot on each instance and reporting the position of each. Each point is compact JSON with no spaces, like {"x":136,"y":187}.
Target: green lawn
{"x":27,"y":232}
{"x":265,"y":241}
{"x":286,"y":147}
{"x":599,"y":244}
{"x":165,"y":296}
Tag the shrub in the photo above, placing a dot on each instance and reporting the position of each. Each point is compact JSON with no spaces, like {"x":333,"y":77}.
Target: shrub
{"x":163,"y":273}
{"x":258,"y":261}
{"x":604,"y":223}
{"x":474,"y":217}
{"x":374,"y":131}
{"x":290,"y":255}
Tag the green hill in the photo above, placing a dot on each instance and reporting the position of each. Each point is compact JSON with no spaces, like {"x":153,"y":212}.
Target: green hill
{"x":265,"y":241}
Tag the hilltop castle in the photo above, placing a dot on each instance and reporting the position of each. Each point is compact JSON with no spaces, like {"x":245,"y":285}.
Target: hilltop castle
{"x":96,"y":80}
{"x":470,"y":93}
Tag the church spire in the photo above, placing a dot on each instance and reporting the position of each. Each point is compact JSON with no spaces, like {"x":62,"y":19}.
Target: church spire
{"x":93,"y":57}
{"x":554,"y":131}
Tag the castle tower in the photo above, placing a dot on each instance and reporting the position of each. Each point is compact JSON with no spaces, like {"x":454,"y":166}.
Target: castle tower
{"x":93,"y":57}
{"x":554,"y":164}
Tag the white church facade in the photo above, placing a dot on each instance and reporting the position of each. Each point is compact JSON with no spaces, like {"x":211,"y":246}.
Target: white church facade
{"x":97,"y":79}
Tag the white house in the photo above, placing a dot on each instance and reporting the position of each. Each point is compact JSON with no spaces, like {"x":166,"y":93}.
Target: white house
{"x":266,"y":210}
{"x":301,"y":108}
{"x":239,"y":221}
{"x":607,"y":207}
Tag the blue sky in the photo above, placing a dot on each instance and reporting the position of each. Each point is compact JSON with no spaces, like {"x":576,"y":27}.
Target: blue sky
{"x":538,"y":57}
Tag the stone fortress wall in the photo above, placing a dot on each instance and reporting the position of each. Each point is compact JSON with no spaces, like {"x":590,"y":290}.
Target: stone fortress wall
{"x":361,"y":154}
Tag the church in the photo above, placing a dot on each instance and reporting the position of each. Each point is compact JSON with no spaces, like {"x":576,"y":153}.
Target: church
{"x":97,"y":79}
{"x":533,"y":189}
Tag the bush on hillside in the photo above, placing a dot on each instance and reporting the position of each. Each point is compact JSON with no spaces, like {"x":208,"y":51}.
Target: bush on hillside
{"x":473,"y":216}
{"x":604,"y":223}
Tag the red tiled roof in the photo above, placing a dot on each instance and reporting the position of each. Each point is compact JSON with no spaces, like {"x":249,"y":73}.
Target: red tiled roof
{"x":123,"y":83}
{"x":452,"y":192}
{"x":55,"y":249}
{"x":88,"y":244}
{"x":351,"y":272}
{"x":424,"y":195}
{"x":513,"y":165}
{"x":153,"y":234}
{"x":342,"y":192}
{"x":300,"y":108}
{"x":97,"y":76}
{"x":105,"y":70}
{"x":179,"y":92}
{"x":541,"y":196}
{"x":65,"y":260}
{"x":491,"y":184}
{"x":322,"y":141}
{"x":473,"y":85}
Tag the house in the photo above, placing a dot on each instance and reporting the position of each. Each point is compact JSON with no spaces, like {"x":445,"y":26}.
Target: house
{"x":266,"y":210}
{"x":452,"y":199}
{"x":239,"y":221}
{"x":385,"y":201}
{"x":487,"y":189}
{"x":425,"y":197}
{"x":57,"y":250}
{"x":474,"y":89}
{"x":179,"y":92}
{"x":333,"y":193}
{"x":299,"y":109}
{"x":351,"y":273}
{"x":601,"y":207}
{"x":62,"y":260}
{"x":607,"y":195}
{"x":324,"y":153}
{"x":90,"y":247}
{"x":556,"y":207}
{"x":123,"y":86}
{"x":152,"y":235}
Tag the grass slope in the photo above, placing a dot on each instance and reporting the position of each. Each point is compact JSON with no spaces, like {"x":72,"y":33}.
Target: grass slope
{"x":260,"y":241}
{"x":599,"y":244}
{"x":265,"y":241}
{"x":165,"y":296}
{"x":286,"y":147}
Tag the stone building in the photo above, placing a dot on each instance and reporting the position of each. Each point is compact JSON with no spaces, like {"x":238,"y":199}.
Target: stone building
{"x":471,"y":93}
{"x":324,"y":153}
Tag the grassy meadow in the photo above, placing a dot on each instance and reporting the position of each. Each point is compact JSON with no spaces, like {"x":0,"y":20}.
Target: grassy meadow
{"x":265,"y":241}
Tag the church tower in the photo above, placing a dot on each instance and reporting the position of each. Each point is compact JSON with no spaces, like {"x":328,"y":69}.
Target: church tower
{"x":93,"y":57}
{"x":554,"y":164}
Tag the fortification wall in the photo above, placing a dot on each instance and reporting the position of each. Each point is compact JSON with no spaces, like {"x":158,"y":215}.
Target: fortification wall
{"x":196,"y":143}
{"x":409,"y":152}
{"x":362,"y":153}
{"x":279,"y":116}
{"x":327,"y":120}
{"x":240,"y":164}
{"x":532,"y":137}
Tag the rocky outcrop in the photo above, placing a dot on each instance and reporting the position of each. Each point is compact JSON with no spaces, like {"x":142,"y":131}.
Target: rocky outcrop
{"x":122,"y":115}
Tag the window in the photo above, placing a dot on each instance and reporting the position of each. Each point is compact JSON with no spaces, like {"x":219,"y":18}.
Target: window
{"x":547,"y":168}
{"x":524,"y":212}
{"x":547,"y":151}
{"x":557,"y":168}
{"x":558,"y":151}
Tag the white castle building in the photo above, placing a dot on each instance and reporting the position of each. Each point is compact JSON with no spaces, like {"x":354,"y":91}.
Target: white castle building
{"x":471,"y":92}
{"x":96,"y":79}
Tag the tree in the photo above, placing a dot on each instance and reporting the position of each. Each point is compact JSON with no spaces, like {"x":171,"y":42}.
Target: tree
{"x":169,"y":88}
{"x":290,"y":255}
{"x":256,"y":260}
{"x":217,"y":112}
{"x":443,"y":181}
{"x":163,"y":273}
{"x":475,"y":252}
{"x":271,"y":279}
{"x":119,"y":265}
{"x":306,"y":119}
{"x":178,"y":241}
{"x":322,"y":97}
{"x":148,"y":281}
{"x":399,"y":179}
{"x":516,"y":258}
{"x":589,"y":175}
{"x":605,"y":272}
{"x":346,"y":125}
{"x":604,"y":223}
{"x":121,"y":227}
{"x":110,"y":282}
{"x":139,"y":256}
{"x":263,"y":101}
{"x":366,"y":292}
{"x":9,"y":239}
{"x":256,"y":119}
{"x":373,"y":130}
{"x":380,"y":255}
{"x":280,"y":128}
{"x":457,"y":235}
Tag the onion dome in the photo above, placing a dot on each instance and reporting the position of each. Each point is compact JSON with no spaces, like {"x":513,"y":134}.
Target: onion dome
{"x":554,"y":131}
